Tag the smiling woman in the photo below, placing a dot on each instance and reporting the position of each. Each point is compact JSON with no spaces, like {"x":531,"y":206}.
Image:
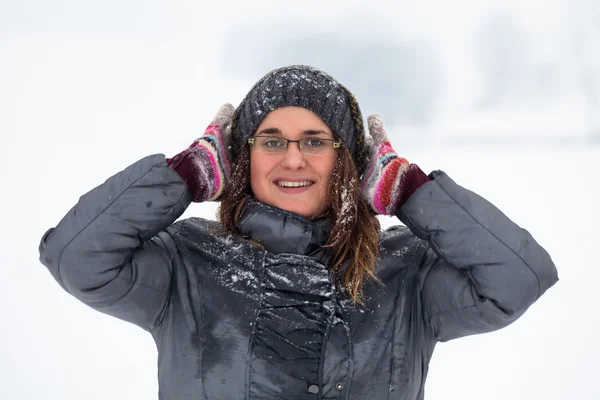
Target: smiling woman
{"x":295,"y":292}
{"x":295,"y":180}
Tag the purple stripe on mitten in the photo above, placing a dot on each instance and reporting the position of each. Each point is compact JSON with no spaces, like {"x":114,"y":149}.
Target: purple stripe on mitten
{"x":204,"y":166}
{"x":413,"y":179}
{"x":196,"y":170}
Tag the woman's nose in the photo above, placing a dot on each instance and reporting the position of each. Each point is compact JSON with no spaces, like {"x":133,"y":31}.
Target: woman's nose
{"x":293,"y":157}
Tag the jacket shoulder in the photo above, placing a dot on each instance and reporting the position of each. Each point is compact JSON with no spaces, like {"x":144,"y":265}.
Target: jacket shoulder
{"x":205,"y":238}
{"x":201,"y":231}
{"x":398,"y":239}
{"x":197,"y":226}
{"x":399,"y":249}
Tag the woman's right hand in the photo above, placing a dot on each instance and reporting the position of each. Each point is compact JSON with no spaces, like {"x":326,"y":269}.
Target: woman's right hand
{"x":205,"y":164}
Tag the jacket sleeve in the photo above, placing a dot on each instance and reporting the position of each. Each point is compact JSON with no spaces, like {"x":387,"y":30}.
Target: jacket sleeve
{"x":107,"y":251}
{"x":482,"y":271}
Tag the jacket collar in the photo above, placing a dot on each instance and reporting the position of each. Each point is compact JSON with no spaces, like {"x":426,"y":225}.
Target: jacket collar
{"x":281,"y":231}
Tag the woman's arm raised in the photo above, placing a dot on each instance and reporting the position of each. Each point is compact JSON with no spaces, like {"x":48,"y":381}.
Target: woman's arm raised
{"x":481,"y":271}
{"x":109,"y":251}
{"x":105,"y":251}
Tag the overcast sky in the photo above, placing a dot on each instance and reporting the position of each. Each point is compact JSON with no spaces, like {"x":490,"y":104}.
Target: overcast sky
{"x":430,"y":64}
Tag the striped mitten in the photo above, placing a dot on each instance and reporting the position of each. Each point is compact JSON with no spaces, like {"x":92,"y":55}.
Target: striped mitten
{"x":205,"y":165}
{"x":389,"y":180}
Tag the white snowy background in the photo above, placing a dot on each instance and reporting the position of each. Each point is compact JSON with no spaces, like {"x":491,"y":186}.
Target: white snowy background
{"x":502,"y":95}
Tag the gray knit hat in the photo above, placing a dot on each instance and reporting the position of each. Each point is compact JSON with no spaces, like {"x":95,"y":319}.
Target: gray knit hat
{"x":307,"y":87}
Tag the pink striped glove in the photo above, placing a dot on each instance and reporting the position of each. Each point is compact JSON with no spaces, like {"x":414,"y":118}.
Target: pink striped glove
{"x":205,"y":165}
{"x":388,"y":180}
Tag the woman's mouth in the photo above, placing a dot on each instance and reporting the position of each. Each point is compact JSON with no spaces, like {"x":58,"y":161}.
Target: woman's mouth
{"x":294,"y":184}
{"x":293,"y":187}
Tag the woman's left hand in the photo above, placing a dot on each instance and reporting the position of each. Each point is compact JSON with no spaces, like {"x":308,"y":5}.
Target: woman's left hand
{"x":389,"y":180}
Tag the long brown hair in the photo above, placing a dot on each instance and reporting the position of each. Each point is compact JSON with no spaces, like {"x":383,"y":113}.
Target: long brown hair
{"x":354,"y":238}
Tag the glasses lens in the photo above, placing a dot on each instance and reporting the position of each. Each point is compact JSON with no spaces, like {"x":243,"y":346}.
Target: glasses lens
{"x":270,"y":144}
{"x":316,"y":146}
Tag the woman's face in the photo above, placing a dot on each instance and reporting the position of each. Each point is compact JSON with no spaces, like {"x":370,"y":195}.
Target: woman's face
{"x":274,"y":178}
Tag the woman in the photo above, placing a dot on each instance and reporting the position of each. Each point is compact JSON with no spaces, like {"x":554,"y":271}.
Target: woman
{"x":295,"y":293}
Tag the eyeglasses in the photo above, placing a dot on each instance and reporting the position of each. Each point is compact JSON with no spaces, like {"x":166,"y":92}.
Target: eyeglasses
{"x":309,"y":146}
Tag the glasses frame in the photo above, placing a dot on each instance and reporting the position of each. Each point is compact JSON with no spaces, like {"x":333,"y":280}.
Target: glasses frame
{"x":336,"y":144}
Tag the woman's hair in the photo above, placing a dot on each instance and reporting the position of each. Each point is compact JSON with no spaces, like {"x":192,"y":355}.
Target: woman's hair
{"x":354,"y":238}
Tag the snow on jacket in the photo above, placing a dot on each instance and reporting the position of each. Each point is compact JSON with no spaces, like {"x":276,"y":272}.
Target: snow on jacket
{"x":234,"y":321}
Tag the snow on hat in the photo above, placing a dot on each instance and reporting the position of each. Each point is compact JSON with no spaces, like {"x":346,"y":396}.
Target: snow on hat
{"x":307,"y":87}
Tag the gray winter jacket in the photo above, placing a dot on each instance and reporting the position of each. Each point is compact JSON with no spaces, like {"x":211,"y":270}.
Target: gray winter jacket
{"x":232,"y":321}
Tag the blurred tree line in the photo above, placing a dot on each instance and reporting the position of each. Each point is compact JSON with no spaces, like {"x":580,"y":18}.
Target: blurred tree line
{"x":403,"y":78}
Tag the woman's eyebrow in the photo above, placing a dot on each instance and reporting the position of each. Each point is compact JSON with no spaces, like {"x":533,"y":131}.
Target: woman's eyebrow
{"x":277,"y":131}
{"x":314,"y":132}
{"x":270,"y":131}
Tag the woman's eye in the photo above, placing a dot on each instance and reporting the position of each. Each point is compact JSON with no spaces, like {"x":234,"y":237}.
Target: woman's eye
{"x":272,"y":143}
{"x":314,"y":143}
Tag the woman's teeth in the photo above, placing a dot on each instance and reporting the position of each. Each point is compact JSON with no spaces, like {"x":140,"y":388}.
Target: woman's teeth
{"x":294,"y":184}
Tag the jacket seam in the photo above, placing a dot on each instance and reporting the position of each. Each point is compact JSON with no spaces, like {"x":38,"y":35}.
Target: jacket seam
{"x":133,"y":285}
{"x":399,"y":295}
{"x":348,"y":330}
{"x":428,"y":330}
{"x":139,"y":284}
{"x":320,"y":371}
{"x":261,"y":290}
{"x":198,"y":322}
{"x":94,"y":219}
{"x":453,"y":310}
{"x":470,"y":282}
{"x":162,"y":314}
{"x":148,"y":327}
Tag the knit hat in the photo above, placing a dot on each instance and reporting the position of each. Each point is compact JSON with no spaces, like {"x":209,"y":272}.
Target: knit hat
{"x":307,"y":87}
